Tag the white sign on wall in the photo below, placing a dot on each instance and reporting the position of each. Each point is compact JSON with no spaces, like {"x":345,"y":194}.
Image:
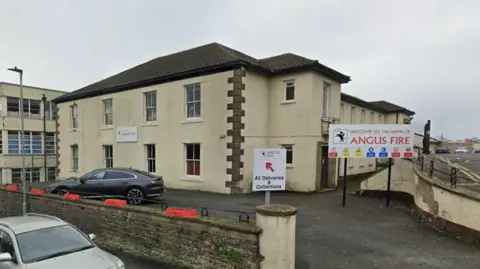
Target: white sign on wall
{"x":370,"y":141}
{"x":127,"y":134}
{"x":269,"y":169}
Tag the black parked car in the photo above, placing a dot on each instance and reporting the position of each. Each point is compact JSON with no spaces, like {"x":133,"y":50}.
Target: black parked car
{"x":442,"y":151}
{"x":131,"y":184}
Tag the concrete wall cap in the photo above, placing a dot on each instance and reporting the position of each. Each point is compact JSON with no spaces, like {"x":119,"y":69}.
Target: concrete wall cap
{"x":276,"y":210}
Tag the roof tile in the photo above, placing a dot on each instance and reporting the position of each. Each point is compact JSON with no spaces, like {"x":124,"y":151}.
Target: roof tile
{"x":194,"y":62}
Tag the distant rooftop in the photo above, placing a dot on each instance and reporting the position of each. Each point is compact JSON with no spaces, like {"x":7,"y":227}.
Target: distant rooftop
{"x":379,"y":106}
{"x":32,"y":87}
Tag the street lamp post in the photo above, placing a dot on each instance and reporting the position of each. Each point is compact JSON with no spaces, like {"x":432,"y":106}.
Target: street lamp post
{"x":22,"y":144}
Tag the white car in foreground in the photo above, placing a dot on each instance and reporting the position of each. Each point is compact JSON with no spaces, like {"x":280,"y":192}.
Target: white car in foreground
{"x":37,"y":241}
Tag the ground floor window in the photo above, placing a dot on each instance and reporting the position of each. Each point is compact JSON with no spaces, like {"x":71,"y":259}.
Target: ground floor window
{"x":150,"y":158}
{"x":192,"y":158}
{"x":108,"y":156}
{"x":51,"y":174}
{"x":289,"y":149}
{"x":31,"y":175}
{"x":74,"y":150}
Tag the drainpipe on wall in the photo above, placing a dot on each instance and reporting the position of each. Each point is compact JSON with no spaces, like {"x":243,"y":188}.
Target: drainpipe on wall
{"x":44,"y":99}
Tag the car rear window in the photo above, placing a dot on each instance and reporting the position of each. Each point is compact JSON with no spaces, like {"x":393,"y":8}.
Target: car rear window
{"x":146,"y":173}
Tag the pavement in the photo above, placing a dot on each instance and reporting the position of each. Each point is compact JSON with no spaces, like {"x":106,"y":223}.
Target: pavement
{"x":363,"y":235}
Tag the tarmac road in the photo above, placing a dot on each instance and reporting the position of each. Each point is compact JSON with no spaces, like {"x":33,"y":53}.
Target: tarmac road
{"x":468,"y":160}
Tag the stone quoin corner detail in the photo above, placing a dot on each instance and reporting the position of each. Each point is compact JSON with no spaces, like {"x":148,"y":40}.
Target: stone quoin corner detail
{"x":235,"y":137}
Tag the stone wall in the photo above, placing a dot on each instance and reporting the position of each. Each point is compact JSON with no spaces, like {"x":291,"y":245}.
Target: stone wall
{"x":149,"y":234}
{"x":448,"y":209}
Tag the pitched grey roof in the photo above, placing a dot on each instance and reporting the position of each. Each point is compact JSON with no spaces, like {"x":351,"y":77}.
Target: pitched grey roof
{"x":379,"y":106}
{"x":391,"y":108}
{"x":203,"y":60}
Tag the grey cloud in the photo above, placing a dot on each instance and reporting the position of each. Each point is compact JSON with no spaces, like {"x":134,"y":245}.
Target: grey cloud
{"x":418,"y":54}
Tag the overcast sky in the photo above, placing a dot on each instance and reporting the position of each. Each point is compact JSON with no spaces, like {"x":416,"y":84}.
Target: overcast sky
{"x":420,"y":54}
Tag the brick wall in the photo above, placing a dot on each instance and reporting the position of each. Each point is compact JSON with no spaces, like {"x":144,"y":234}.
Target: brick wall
{"x":147,"y":233}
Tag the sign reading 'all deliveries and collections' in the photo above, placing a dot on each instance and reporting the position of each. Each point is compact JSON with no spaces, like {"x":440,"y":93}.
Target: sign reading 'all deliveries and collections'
{"x":269,"y":169}
{"x":370,"y":141}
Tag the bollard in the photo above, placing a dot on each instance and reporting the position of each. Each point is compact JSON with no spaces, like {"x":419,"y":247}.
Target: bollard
{"x":277,"y":240}
{"x":453,"y":177}
{"x":432,"y":167}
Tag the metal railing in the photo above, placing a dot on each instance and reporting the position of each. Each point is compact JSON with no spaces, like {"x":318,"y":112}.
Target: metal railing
{"x":443,"y":169}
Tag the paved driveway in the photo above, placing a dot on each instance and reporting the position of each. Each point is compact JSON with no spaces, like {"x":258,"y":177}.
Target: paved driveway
{"x":467,"y":160}
{"x":363,"y":235}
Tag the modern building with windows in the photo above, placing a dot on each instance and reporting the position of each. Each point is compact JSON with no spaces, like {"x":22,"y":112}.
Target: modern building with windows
{"x":39,"y":133}
{"x":196,"y":116}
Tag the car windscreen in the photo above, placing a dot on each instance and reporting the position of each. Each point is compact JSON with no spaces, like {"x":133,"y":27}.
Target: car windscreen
{"x":51,"y":242}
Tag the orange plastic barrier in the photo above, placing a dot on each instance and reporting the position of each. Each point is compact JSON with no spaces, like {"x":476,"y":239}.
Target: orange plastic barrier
{"x":37,"y":191}
{"x":11,"y":188}
{"x":181,"y":212}
{"x":116,"y":202}
{"x":71,"y":196}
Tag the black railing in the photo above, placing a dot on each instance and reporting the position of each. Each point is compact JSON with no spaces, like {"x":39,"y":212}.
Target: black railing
{"x":434,"y":166}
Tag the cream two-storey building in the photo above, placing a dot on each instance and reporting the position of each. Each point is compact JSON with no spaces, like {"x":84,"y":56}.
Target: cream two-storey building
{"x":39,"y":133}
{"x":196,"y":116}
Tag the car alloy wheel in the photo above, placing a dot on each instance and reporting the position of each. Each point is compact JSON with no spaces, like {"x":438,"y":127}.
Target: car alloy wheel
{"x":134,"y":196}
{"x":61,"y":192}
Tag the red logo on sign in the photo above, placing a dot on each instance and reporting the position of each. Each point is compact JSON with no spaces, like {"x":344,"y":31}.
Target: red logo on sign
{"x":408,"y":154}
{"x":396,"y":154}
{"x":332,"y":155}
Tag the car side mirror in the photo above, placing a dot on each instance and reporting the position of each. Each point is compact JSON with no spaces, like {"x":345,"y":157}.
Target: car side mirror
{"x":82,"y":180}
{"x":5,"y":257}
{"x":92,"y":236}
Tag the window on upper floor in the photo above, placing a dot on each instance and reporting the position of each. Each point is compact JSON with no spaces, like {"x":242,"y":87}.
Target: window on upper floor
{"x":380,"y":118}
{"x":363,"y":116}
{"x":50,"y":143}
{"x":150,"y":106}
{"x":32,"y":142}
{"x":341,"y":112}
{"x":372,"y":117}
{"x":50,"y":110}
{"x":107,"y":107}
{"x":193,"y":101}
{"x":289,"y":90}
{"x":326,"y":99}
{"x":13,"y":107}
{"x":74,"y":116}
{"x":47,"y":110}
{"x":30,"y":108}
{"x":352,"y":115}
